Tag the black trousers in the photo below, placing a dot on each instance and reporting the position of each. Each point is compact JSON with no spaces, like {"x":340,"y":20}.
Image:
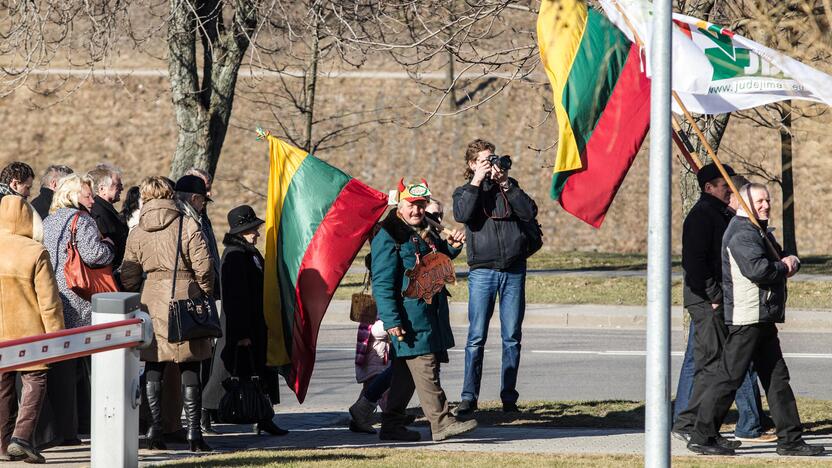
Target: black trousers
{"x":757,"y":343}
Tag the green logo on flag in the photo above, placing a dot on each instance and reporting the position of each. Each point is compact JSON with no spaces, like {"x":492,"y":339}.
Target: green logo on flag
{"x":731,"y":61}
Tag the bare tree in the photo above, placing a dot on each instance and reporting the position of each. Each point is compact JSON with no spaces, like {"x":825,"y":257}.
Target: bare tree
{"x":712,"y":126}
{"x":209,"y":42}
{"x":800,"y":29}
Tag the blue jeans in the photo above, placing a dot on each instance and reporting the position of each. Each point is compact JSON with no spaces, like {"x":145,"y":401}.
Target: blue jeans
{"x":483,"y":287}
{"x":379,"y":385}
{"x":685,"y":386}
{"x":749,"y":404}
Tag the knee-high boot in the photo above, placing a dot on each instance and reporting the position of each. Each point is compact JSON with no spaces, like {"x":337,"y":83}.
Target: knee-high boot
{"x":154,"y":403}
{"x":192,"y":397}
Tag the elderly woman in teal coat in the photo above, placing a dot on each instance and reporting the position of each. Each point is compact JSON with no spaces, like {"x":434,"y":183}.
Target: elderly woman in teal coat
{"x":415,"y":315}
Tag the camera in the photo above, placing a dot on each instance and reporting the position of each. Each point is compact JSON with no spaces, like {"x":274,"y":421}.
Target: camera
{"x":501,"y":162}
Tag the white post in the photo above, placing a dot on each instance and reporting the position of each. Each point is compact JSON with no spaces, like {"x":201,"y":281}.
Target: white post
{"x":657,"y":385}
{"x":116,"y":393}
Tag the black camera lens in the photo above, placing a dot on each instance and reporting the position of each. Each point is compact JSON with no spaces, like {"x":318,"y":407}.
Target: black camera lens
{"x":502,"y":162}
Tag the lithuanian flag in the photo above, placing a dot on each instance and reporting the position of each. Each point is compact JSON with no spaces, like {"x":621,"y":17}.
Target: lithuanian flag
{"x":602,"y":103}
{"x":317,"y":220}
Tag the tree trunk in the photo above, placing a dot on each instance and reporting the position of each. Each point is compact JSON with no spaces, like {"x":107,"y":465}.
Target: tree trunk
{"x":310,"y":83}
{"x":787,"y":185}
{"x":451,"y":98}
{"x":203,"y":110}
{"x":713,"y":127}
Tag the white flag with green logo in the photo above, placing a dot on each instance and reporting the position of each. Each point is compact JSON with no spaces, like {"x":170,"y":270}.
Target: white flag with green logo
{"x":745,"y":74}
{"x":716,"y":71}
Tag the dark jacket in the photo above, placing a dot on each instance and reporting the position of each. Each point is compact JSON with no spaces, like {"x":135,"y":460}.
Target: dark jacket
{"x":211,"y":240}
{"x":43,"y":201}
{"x":753,"y":277}
{"x":702,"y":250}
{"x":427,"y":327}
{"x":491,"y":217}
{"x":242,"y":304}
{"x":112,"y":226}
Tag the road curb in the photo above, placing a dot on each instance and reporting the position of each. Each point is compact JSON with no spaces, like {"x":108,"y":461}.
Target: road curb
{"x":596,"y":316}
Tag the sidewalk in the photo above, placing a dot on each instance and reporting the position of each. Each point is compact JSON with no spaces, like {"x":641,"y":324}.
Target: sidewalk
{"x":597,"y":316}
{"x":326,"y":428}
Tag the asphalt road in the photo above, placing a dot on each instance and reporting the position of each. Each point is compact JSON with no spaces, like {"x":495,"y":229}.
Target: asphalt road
{"x":557,"y":364}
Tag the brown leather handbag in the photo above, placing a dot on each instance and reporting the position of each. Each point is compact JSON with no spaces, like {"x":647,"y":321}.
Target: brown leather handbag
{"x":363,"y":306}
{"x":81,"y":278}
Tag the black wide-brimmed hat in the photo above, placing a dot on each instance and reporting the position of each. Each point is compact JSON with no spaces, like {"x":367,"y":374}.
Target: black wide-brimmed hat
{"x":192,"y":184}
{"x":242,"y":219}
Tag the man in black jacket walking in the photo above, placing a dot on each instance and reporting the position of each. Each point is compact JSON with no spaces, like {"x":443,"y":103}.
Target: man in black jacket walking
{"x":702,"y":263}
{"x":492,"y":206}
{"x":108,"y":190}
{"x":754,"y":289}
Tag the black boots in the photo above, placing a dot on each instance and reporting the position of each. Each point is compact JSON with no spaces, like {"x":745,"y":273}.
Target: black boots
{"x":268,"y":426}
{"x":207,"y":417}
{"x":154,"y":403}
{"x":192,"y":398}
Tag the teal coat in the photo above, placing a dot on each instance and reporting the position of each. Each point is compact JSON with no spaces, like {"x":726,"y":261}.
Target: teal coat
{"x":427,"y":327}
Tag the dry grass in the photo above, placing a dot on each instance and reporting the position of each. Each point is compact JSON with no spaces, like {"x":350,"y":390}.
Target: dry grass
{"x":542,"y":289}
{"x":367,"y":457}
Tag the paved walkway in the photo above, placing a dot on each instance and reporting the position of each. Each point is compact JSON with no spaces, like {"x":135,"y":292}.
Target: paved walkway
{"x":326,"y":428}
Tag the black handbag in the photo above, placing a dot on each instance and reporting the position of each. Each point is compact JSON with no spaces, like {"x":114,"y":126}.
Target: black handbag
{"x":245,"y":400}
{"x":190,"y":319}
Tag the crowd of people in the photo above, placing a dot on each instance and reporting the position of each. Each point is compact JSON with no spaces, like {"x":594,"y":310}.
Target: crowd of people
{"x":161,"y":244}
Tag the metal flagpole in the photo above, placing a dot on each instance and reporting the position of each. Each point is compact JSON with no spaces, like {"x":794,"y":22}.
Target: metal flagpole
{"x":657,"y":384}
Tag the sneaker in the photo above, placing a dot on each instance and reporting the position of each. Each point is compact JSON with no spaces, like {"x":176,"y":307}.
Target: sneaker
{"x":683,"y":436}
{"x":7,"y":457}
{"x":465,"y":408}
{"x":727,"y":443}
{"x":510,"y":408}
{"x":23,"y":449}
{"x":795,"y":449}
{"x":454,"y":429}
{"x":399,"y":433}
{"x":763,"y":438}
{"x":710,"y":448}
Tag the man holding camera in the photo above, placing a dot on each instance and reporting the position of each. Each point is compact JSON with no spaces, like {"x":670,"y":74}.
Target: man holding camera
{"x":492,"y":206}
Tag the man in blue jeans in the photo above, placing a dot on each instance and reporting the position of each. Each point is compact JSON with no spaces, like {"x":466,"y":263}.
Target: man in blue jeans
{"x":492,"y":206}
{"x":702,"y":264}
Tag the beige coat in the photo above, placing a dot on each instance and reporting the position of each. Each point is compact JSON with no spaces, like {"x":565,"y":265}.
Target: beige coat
{"x":151,"y":251}
{"x":29,"y":300}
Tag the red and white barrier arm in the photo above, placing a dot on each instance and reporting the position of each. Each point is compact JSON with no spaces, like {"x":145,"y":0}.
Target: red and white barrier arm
{"x":72,"y":343}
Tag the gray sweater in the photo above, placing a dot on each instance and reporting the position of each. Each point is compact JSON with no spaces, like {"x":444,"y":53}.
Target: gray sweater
{"x":93,"y":251}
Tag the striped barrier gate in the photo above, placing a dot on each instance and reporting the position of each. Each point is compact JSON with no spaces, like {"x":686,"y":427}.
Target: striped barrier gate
{"x":118,"y":329}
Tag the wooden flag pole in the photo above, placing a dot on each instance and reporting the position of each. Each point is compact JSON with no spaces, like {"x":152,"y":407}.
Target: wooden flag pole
{"x":683,"y":143}
{"x":751,"y":215}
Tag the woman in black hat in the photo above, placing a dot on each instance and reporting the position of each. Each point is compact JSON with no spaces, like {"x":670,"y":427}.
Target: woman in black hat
{"x":242,"y":302}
